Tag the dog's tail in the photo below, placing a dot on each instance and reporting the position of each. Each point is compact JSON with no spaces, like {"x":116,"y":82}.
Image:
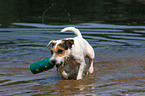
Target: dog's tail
{"x":73,"y":29}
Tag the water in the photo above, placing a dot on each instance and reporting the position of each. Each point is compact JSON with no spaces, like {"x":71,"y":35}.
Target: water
{"x":119,"y":63}
{"x":129,"y":12}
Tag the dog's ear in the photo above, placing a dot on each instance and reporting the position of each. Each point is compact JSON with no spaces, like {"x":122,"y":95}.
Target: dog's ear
{"x":51,"y":42}
{"x":69,"y":42}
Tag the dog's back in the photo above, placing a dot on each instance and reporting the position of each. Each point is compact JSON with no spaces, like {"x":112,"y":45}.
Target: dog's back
{"x":81,"y":43}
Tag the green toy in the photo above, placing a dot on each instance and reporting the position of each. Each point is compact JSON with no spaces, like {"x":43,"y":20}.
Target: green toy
{"x":41,"y":66}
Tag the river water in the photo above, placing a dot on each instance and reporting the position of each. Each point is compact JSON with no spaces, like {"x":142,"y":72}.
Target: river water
{"x":119,"y":62}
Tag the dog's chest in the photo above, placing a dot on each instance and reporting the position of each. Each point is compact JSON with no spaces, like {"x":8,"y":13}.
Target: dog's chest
{"x":71,"y":61}
{"x":71,"y":64}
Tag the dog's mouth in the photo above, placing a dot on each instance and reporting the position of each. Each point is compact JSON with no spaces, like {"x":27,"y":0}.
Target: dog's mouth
{"x":60,"y":65}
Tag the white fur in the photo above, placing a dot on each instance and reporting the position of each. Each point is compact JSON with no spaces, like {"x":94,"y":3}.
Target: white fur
{"x":76,"y":31}
{"x":54,"y":56}
{"x":77,"y":54}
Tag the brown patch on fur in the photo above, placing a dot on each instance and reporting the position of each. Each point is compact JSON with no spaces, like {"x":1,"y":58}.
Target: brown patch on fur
{"x":63,"y":41}
{"x":58,"y":49}
{"x":62,"y":49}
{"x":68,"y":42}
{"x":53,"y":48}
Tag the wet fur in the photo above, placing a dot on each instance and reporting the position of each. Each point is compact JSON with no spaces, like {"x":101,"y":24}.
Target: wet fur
{"x":75,"y":50}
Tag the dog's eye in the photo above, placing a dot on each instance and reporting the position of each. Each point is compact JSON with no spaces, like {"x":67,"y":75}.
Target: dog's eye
{"x":60,"y":51}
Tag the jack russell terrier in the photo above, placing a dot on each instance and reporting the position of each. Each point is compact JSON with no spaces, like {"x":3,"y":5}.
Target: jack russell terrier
{"x":72,"y":52}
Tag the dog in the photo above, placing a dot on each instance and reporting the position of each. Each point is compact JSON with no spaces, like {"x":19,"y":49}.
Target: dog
{"x":72,"y":52}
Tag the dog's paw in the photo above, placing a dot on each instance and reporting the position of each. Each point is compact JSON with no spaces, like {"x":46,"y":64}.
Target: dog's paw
{"x":91,"y":70}
{"x":78,"y":78}
{"x":64,"y":74}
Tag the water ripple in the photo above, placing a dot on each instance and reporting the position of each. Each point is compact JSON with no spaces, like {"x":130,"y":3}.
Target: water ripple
{"x":119,"y":52}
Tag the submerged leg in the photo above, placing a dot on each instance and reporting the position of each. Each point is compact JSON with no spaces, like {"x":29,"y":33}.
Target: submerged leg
{"x":81,"y":70}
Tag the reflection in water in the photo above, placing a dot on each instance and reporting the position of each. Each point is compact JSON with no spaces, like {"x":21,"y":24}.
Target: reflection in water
{"x":129,"y":12}
{"x":6,"y":13}
{"x":65,"y":87}
{"x":119,"y":63}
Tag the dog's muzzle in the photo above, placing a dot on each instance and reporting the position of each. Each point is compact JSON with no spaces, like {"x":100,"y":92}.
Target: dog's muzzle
{"x":61,"y":64}
{"x":53,"y":62}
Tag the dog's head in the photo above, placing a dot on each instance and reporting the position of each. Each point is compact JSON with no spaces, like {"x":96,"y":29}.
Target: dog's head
{"x":60,"y":50}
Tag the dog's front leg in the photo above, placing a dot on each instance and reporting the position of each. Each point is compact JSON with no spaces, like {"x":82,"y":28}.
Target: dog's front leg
{"x":81,"y":70}
{"x":63,"y":73}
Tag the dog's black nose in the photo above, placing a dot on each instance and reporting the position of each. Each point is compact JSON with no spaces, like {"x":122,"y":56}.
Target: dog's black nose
{"x":53,"y":61}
